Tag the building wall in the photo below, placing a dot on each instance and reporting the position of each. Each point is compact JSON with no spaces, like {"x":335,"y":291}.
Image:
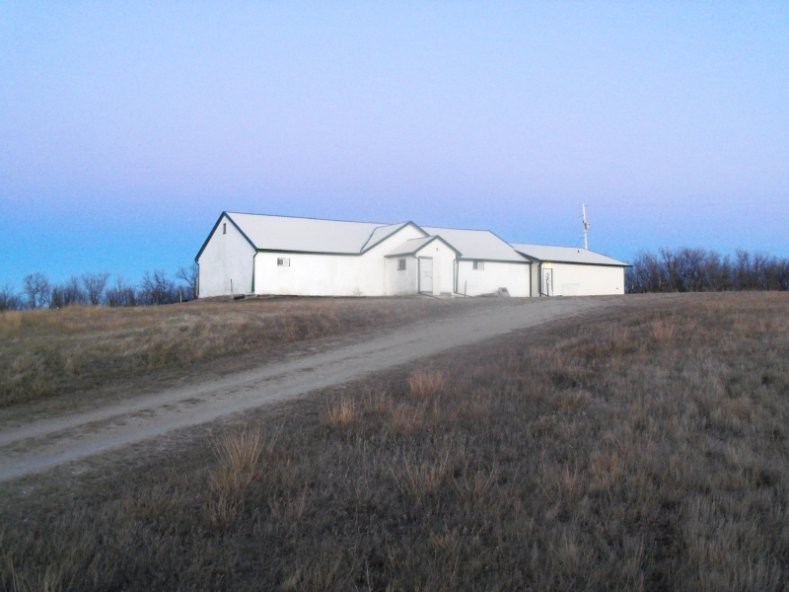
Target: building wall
{"x":535,"y":279}
{"x":225,"y":265}
{"x":585,"y":280}
{"x":305,"y":274}
{"x":400,"y":282}
{"x":492,"y":276}
{"x":318,"y":274}
{"x":443,"y":263}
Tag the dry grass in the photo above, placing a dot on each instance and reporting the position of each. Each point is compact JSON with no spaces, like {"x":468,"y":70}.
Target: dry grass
{"x":238,"y":454}
{"x":51,"y":353}
{"x":642,"y":450}
{"x":341,"y":413}
{"x":426,"y":383}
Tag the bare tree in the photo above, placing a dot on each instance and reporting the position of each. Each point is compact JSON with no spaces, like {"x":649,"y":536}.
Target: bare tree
{"x":9,"y":300}
{"x":94,"y":284}
{"x":699,"y":271}
{"x":189,"y":275}
{"x":37,"y":290}
{"x":121,"y":294}
{"x":157,"y":288}
{"x":66,"y":294}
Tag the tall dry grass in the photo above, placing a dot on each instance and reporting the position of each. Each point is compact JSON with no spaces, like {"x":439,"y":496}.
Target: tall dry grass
{"x":642,"y":450}
{"x":238,"y":454}
{"x":52,"y":353}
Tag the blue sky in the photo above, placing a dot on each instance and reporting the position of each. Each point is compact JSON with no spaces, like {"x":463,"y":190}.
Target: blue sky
{"x":127,"y":127}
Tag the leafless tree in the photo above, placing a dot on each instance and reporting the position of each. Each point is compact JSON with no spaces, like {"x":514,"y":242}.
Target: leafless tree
{"x":36,"y":289}
{"x":94,"y":284}
{"x":9,"y":300}
{"x":189,"y":276}
{"x":66,"y":294}
{"x":157,"y":288}
{"x":121,"y":294}
{"x":699,"y":270}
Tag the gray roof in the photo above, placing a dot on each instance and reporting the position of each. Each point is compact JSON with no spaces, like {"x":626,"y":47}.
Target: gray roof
{"x":476,"y":244}
{"x":565,"y":255}
{"x":311,"y":235}
{"x":410,"y":246}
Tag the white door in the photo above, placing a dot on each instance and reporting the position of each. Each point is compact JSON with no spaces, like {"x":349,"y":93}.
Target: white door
{"x":426,"y":274}
{"x":547,"y":281}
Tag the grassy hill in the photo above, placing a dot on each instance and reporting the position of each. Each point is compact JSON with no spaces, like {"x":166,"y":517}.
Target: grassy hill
{"x":644,"y":449}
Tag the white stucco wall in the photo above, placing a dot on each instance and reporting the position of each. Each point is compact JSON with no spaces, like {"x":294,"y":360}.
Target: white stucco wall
{"x":493,"y":275}
{"x":585,"y":280}
{"x":316,"y":274}
{"x":225,"y":265}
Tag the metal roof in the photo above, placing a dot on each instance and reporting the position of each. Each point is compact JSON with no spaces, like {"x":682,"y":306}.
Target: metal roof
{"x":565,"y":255}
{"x":410,"y":246}
{"x":413,"y":245}
{"x":476,"y":244}
{"x":311,"y":235}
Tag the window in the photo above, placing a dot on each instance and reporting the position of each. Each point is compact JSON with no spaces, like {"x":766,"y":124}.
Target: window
{"x":480,"y":265}
{"x":224,"y":227}
{"x":401,"y":265}
{"x":283,"y":261}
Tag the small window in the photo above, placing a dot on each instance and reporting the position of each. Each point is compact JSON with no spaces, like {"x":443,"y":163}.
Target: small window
{"x":480,"y":265}
{"x":224,"y":227}
{"x":283,"y":261}
{"x":401,"y":265}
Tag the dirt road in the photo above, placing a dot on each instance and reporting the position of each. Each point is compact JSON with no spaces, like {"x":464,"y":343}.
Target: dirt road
{"x":48,"y":443}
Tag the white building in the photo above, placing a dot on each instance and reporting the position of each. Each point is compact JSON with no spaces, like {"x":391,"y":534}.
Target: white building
{"x":569,"y":271}
{"x":260,"y":254}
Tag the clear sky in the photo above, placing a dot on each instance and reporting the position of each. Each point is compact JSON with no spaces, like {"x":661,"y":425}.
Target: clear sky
{"x":127,"y":127}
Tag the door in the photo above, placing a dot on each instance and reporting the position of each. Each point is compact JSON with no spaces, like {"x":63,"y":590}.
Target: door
{"x":547,"y":281}
{"x":426,"y":274}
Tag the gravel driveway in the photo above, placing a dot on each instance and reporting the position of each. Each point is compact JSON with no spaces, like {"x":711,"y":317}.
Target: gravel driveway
{"x":47,"y":443}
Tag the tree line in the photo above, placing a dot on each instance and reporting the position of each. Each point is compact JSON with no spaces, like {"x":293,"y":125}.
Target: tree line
{"x":681,"y":270}
{"x":94,"y":289}
{"x":701,"y":270}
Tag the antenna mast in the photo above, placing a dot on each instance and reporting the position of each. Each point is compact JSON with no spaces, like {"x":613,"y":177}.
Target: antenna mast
{"x":586,"y":227}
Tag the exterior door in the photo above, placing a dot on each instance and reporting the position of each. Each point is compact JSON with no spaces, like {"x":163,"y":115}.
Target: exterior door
{"x":426,"y":274}
{"x":547,"y":281}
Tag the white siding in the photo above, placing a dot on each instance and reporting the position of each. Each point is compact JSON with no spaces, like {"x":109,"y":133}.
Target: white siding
{"x":317,"y":274}
{"x":585,"y":280}
{"x":225,"y":265}
{"x":443,"y":261}
{"x":492,"y":276}
{"x":401,"y":281}
{"x":306,"y":274}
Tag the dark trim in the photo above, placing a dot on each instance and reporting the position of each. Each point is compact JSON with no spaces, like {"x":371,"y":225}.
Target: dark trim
{"x":419,"y":289}
{"x":291,"y":252}
{"x":432,"y":238}
{"x":536,"y":260}
{"x":216,"y":225}
{"x":524,"y":262}
{"x":493,"y":234}
{"x":365,"y":246}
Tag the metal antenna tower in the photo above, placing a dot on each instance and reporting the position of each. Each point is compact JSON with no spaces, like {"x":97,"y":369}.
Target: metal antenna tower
{"x":586,"y":227}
